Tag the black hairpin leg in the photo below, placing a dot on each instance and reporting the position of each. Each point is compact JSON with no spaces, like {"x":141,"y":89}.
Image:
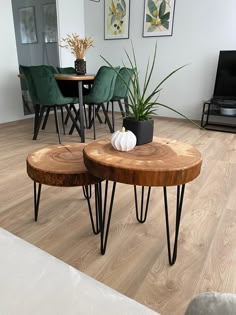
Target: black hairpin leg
{"x":87,"y":190}
{"x":179,"y":203}
{"x":104,"y":216}
{"x":142,"y":216}
{"x":37,"y":193}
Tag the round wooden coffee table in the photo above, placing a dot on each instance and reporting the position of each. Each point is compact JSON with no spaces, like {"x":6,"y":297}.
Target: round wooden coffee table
{"x":163,"y":162}
{"x":60,"y":165}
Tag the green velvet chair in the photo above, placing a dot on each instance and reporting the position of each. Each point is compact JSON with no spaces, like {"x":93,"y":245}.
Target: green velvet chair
{"x":100,"y":93}
{"x":121,"y":91}
{"x":54,"y":71}
{"x":45,"y":94}
{"x":66,"y":70}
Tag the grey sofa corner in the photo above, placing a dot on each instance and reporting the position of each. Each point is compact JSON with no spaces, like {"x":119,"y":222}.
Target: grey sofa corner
{"x":212,"y":303}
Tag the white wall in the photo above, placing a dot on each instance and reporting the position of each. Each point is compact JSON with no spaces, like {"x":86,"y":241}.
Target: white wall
{"x":201,"y":29}
{"x":70,"y":17}
{"x":11,"y":107}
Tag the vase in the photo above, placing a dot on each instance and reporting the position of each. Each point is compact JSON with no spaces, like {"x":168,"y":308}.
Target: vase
{"x":80,"y":66}
{"x":143,"y":130}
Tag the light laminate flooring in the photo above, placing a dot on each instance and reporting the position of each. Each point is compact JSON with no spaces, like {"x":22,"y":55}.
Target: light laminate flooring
{"x":135,"y":263}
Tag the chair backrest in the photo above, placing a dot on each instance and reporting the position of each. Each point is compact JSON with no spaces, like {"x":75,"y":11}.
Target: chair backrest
{"x":45,"y":85}
{"x":25,"y":70}
{"x":121,"y":89}
{"x":103,"y":85}
{"x":67,"y":70}
{"x":53,"y":69}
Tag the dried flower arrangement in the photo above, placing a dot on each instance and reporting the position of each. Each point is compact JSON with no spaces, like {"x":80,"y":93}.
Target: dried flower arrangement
{"x":78,"y":46}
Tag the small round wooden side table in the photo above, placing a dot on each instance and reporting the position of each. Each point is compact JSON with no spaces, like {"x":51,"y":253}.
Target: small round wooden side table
{"x":163,"y":162}
{"x":61,"y":165}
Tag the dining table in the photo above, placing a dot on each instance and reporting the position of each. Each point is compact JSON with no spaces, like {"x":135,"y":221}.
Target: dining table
{"x":81,"y":79}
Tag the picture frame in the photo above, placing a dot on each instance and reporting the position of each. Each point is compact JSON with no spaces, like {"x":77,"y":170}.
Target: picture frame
{"x":116,"y":19}
{"x":49,"y":23}
{"x":158,"y":18}
{"x":27,"y":25}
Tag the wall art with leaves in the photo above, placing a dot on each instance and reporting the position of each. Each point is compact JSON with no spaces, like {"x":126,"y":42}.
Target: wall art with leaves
{"x":158,"y":18}
{"x":117,"y":19}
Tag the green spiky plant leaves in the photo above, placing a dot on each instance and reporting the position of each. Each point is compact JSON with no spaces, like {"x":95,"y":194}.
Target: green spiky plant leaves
{"x":142,"y":103}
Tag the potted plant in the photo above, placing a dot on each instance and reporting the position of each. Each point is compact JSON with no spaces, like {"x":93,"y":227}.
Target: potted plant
{"x":142,"y":103}
{"x":78,"y":47}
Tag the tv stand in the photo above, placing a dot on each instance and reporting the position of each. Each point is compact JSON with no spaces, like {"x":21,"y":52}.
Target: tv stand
{"x":224,"y":102}
{"x":215,"y":115}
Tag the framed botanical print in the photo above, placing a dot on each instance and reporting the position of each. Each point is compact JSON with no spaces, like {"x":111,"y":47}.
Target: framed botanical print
{"x":116,"y":18}
{"x":27,"y":25}
{"x":158,"y":18}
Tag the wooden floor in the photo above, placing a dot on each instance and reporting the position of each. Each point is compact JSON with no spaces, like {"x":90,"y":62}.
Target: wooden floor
{"x":135,"y":263}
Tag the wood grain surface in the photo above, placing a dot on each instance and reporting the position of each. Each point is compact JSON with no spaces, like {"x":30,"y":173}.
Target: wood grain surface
{"x":74,"y":77}
{"x":68,"y":77}
{"x":59,"y":165}
{"x":163,"y":162}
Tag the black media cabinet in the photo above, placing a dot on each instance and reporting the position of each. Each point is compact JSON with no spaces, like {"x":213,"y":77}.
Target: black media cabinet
{"x":214,"y":119}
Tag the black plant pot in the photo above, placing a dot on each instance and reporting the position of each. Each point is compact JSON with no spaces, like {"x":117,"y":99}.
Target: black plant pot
{"x":80,"y":66}
{"x":143,"y":130}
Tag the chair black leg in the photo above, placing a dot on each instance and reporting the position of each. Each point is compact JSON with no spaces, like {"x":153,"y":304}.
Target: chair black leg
{"x":108,"y":103}
{"x":121,"y":108}
{"x":89,"y":116}
{"x":36,"y":119}
{"x":107,"y":118}
{"x":94,"y":128}
{"x":57,"y":124}
{"x":126,"y":105}
{"x":39,"y":120}
{"x":37,"y":194}
{"x":46,"y":118}
{"x":67,"y":116}
{"x":85,"y":117}
{"x":62,"y":120}
{"x":75,"y":125}
{"x":97,"y":114}
{"x":76,"y":118}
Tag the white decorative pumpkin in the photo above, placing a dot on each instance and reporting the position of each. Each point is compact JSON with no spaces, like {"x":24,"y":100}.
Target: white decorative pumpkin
{"x":123,"y":140}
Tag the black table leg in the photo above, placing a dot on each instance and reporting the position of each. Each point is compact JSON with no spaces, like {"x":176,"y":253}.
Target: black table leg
{"x":87,"y":190}
{"x":141,"y":215}
{"x":81,"y":110}
{"x":179,"y":204}
{"x":104,"y":215}
{"x":37,"y":193}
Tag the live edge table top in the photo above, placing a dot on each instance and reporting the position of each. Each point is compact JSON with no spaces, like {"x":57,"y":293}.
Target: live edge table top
{"x":163,"y":162}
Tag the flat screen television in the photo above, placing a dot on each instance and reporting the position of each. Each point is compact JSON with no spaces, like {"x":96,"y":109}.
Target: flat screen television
{"x":225,"y":84}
